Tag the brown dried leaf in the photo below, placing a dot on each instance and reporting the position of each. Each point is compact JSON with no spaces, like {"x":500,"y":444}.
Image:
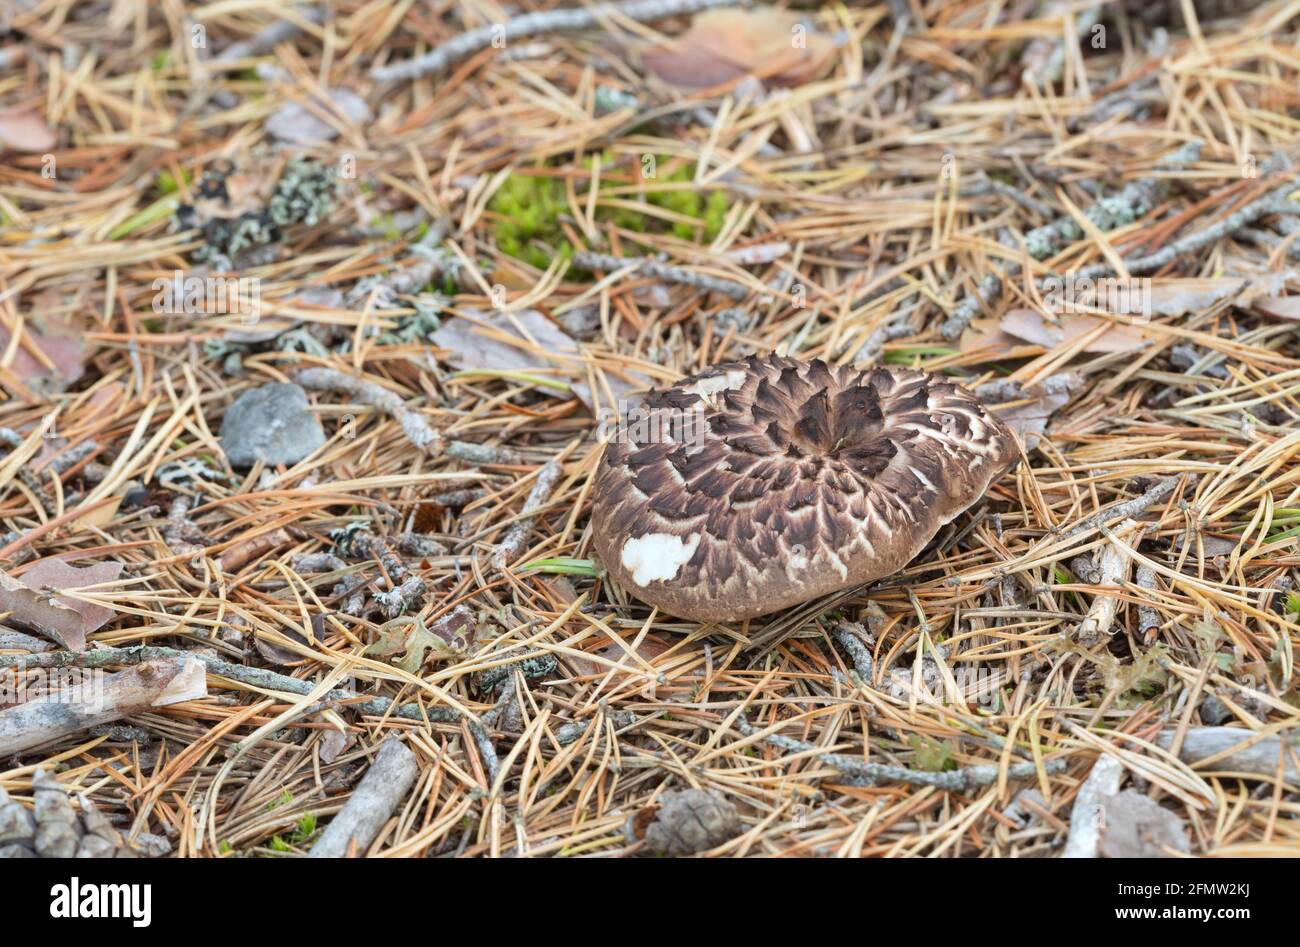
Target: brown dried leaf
{"x":1030,"y":326}
{"x":1029,"y":419}
{"x":63,"y":344}
{"x":25,"y":130}
{"x":1283,"y":307}
{"x":283,"y":656}
{"x":723,"y":45}
{"x":296,"y":124}
{"x":1178,"y":297}
{"x":495,"y":341}
{"x":62,"y":618}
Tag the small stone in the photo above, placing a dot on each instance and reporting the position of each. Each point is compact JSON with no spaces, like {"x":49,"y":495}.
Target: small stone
{"x":1214,"y":712}
{"x":1136,"y":827}
{"x":272,"y":424}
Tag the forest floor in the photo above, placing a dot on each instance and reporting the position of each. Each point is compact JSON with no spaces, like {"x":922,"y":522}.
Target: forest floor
{"x":199,"y":200}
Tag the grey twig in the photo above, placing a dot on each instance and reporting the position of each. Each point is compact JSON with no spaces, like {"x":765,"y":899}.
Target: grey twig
{"x":181,"y":535}
{"x":1118,"y":210}
{"x":416,"y":429}
{"x":1003,"y":390}
{"x":1107,"y":213}
{"x":956,"y":780}
{"x":966,"y":310}
{"x":62,"y":713}
{"x":1126,"y":510}
{"x":428,"y":263}
{"x":263,"y":42}
{"x":847,"y":634}
{"x":605,"y":262}
{"x":1246,"y":751}
{"x":1274,"y":202}
{"x":535,"y":24}
{"x":1087,"y":816}
{"x":373,"y":802}
{"x":254,"y":677}
{"x":547,"y":479}
{"x":1148,"y":616}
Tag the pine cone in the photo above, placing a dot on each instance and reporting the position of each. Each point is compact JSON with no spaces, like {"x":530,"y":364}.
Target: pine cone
{"x":685,"y":822}
{"x":55,"y":830}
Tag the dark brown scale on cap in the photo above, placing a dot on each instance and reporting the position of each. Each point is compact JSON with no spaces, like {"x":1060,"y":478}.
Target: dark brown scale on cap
{"x":805,"y":479}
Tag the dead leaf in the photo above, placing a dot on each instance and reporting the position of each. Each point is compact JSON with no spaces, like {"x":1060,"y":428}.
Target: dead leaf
{"x":1283,"y":307}
{"x":25,"y":130}
{"x":65,"y":619}
{"x":1028,"y":410}
{"x":500,"y":342}
{"x":64,"y":346}
{"x":984,"y":335}
{"x":294,"y":123}
{"x":724,"y":45}
{"x":1030,"y":326}
{"x":283,"y":656}
{"x":333,"y":743}
{"x":446,"y":638}
{"x":1177,"y":297}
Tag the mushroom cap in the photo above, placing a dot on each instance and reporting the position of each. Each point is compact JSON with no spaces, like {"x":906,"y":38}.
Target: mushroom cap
{"x":760,"y":484}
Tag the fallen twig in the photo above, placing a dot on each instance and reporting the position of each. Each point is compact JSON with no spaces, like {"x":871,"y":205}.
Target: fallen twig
{"x":659,"y":270}
{"x":1230,"y":749}
{"x":79,"y":703}
{"x":1125,"y":510}
{"x":373,"y":802}
{"x":547,"y":479}
{"x":1112,"y":563}
{"x":535,"y":24}
{"x":1087,"y":818}
{"x":956,"y":780}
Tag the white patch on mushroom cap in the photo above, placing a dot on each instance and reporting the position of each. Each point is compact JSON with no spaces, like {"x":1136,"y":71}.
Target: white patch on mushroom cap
{"x":925,"y":481}
{"x":657,"y":557}
{"x":707,"y":388}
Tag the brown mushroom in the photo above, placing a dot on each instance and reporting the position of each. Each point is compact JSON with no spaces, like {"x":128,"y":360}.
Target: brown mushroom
{"x":760,"y":484}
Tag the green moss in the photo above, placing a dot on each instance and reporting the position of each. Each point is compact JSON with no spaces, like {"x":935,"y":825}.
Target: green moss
{"x":932,"y":756}
{"x":527,"y":208}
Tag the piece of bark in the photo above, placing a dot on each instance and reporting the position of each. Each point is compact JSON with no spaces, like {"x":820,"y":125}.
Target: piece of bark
{"x":1112,"y":569}
{"x":372,"y":803}
{"x":245,"y":551}
{"x":17,"y":641}
{"x":1088,"y":815}
{"x":149,"y":684}
{"x":1261,"y":757}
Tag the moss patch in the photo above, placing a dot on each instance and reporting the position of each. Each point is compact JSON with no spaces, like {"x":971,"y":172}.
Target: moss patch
{"x":527,"y":208}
